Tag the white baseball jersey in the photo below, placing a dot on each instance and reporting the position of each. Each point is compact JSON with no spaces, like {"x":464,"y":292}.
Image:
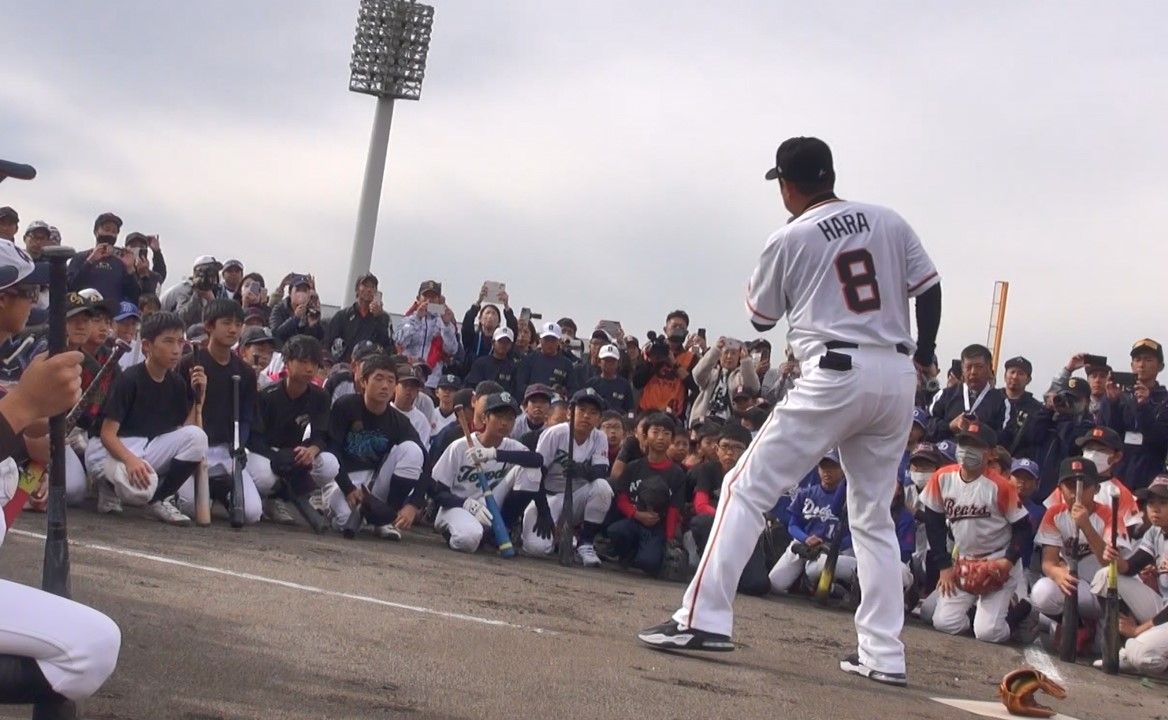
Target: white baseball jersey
{"x":456,"y":472}
{"x":1129,"y":509}
{"x":553,"y":446}
{"x":1058,"y":527}
{"x":439,"y":423}
{"x":421,"y":423}
{"x":841,"y":271}
{"x":980,"y":512}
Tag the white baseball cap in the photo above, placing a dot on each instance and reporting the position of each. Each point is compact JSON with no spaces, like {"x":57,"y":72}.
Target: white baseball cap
{"x":503,"y":333}
{"x":206,"y":260}
{"x":609,"y":351}
{"x":550,"y":330}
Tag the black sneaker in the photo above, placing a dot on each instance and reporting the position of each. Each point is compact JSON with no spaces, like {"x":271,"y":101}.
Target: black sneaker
{"x":851,"y":664}
{"x":668,"y":636}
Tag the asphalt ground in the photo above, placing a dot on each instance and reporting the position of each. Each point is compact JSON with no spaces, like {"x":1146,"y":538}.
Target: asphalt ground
{"x":274,"y":622}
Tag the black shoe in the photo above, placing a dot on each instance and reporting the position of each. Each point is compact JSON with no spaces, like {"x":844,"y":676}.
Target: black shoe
{"x":851,"y":664}
{"x":668,"y":636}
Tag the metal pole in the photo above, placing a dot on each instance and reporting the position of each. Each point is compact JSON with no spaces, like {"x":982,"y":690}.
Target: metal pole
{"x":362,"y":256}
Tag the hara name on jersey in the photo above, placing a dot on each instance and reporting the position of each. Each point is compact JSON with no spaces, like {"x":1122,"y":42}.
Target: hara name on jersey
{"x":838,"y":226}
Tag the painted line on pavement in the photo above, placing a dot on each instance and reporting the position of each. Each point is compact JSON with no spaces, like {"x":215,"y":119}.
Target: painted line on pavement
{"x":290,"y":585}
{"x":1041,"y":661}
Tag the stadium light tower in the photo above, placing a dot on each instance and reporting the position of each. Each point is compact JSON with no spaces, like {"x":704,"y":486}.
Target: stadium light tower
{"x":389,"y":62}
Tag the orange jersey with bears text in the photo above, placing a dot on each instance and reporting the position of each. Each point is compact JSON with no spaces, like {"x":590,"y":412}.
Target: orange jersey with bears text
{"x":1058,"y":529}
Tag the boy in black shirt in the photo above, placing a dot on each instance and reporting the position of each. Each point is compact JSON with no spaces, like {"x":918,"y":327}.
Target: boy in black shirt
{"x":223,"y":320}
{"x":649,"y":498}
{"x":151,"y":442}
{"x":379,"y":453}
{"x":289,"y":410}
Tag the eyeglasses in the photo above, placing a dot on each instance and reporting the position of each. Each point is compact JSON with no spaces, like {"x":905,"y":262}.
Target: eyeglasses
{"x":732,"y":447}
{"x":32,"y":293}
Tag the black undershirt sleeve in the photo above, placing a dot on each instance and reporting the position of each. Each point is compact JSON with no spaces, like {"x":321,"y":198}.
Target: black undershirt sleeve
{"x":761,"y":327}
{"x":1021,"y":532}
{"x":938,"y":539}
{"x":928,"y":311}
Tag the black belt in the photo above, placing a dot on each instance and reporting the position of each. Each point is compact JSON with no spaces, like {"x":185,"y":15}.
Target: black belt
{"x":841,"y":345}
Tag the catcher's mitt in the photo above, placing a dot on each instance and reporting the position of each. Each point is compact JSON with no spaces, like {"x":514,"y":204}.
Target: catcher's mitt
{"x":979,"y":577}
{"x":1018,"y":688}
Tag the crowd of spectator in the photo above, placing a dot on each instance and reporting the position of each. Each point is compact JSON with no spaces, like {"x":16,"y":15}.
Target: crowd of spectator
{"x":353,"y":423}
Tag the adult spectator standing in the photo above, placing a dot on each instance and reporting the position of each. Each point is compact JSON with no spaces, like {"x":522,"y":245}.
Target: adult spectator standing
{"x":723,"y":369}
{"x":973,"y":397}
{"x":299,"y":313}
{"x":480,"y":323}
{"x":550,"y":366}
{"x":365,"y":319}
{"x":661,"y":380}
{"x":36,"y":238}
{"x":232,"y":275}
{"x":1057,"y":426}
{"x":191,"y":296}
{"x":9,"y":223}
{"x":1107,"y":405}
{"x":1146,"y":443}
{"x":150,"y":278}
{"x":616,"y":391}
{"x":1018,"y":435}
{"x":105,"y":268}
{"x":428,"y":334}
{"x":254,"y":298}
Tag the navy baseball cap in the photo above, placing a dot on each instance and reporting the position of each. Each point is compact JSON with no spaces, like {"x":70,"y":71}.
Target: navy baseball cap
{"x":1078,"y":387}
{"x":502,"y":401}
{"x":802,"y":159}
{"x":127,"y":310}
{"x":364,"y":349}
{"x":831,"y":456}
{"x":1102,"y":435}
{"x":920,"y":417}
{"x":1025,"y":465}
{"x":948,"y":448}
{"x":537,"y":389}
{"x":589,"y":395}
{"x":930,"y":452}
{"x":449,"y":381}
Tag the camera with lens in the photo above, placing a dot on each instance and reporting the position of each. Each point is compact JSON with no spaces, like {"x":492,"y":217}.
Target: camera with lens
{"x":205,"y":278}
{"x":658,"y":349}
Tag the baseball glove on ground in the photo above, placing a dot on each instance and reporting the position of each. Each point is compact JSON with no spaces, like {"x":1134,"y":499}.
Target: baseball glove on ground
{"x":979,"y":577}
{"x":1018,"y":688}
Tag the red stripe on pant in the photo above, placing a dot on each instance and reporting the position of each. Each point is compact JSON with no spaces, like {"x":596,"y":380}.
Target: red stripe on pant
{"x":718,"y":527}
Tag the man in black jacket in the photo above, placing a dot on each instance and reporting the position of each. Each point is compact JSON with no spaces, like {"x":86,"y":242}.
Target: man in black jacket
{"x":973,"y":397}
{"x":1018,"y":434}
{"x":365,"y":319}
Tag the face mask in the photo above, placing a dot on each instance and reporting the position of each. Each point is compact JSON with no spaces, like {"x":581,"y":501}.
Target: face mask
{"x":971,"y":459}
{"x":107,"y":239}
{"x":1101,"y":459}
{"x":919,"y":478}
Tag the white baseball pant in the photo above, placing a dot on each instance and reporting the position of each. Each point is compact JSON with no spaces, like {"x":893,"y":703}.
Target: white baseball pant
{"x":951,"y":613}
{"x":790,"y":566}
{"x":466,"y":532}
{"x":220,"y":463}
{"x":75,"y":646}
{"x":590,"y":503}
{"x":324,"y":470}
{"x":404,"y":460}
{"x":1146,"y":654}
{"x":1048,"y":599}
{"x":866,"y":412}
{"x":188,"y":443}
{"x":1143,"y":601}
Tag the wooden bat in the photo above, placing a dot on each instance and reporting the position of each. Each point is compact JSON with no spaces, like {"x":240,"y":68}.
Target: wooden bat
{"x":1111,"y":599}
{"x":502,"y":537}
{"x":55,"y":574}
{"x":827,"y":577}
{"x":1068,"y":651}
{"x":566,"y":526}
{"x":238,"y":516}
{"x":120,"y":348}
{"x":202,"y":480}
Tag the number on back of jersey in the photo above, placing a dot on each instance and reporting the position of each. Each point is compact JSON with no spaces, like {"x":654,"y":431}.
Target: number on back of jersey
{"x":857,"y":273}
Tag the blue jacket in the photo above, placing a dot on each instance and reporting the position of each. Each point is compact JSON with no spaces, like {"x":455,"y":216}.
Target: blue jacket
{"x":814,"y":511}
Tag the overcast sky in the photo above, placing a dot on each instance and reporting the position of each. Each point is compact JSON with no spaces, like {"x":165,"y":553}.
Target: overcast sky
{"x":605,"y":159}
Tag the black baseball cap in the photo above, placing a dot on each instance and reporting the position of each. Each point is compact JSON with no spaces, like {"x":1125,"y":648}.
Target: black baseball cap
{"x":537,"y":389}
{"x":802,"y":159}
{"x":76,"y":305}
{"x":137,"y":238}
{"x":449,"y":381}
{"x":1148,"y":345}
{"x":364,"y":349}
{"x":107,"y":217}
{"x":979,"y":433}
{"x":1075,"y":468}
{"x":1102,"y":435}
{"x":589,"y":395}
{"x":1079,"y":388}
{"x":502,"y":401}
{"x":1021,"y":363}
{"x":297,"y":280}
{"x":7,"y":212}
{"x":256,"y":335}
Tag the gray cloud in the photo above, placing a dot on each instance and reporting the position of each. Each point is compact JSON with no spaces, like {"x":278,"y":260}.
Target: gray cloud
{"x":605,"y":159}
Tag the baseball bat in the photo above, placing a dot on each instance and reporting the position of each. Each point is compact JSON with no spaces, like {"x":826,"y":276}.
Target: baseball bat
{"x":502,"y":537}
{"x":566,"y":527}
{"x":55,"y":574}
{"x":1111,"y":600}
{"x":121,"y":347}
{"x":827,"y":577}
{"x":1068,"y":651}
{"x":237,"y":514}
{"x":202,"y":480}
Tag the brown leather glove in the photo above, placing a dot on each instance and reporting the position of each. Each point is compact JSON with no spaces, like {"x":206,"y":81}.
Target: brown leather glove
{"x":1018,"y":688}
{"x":978,"y":577}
